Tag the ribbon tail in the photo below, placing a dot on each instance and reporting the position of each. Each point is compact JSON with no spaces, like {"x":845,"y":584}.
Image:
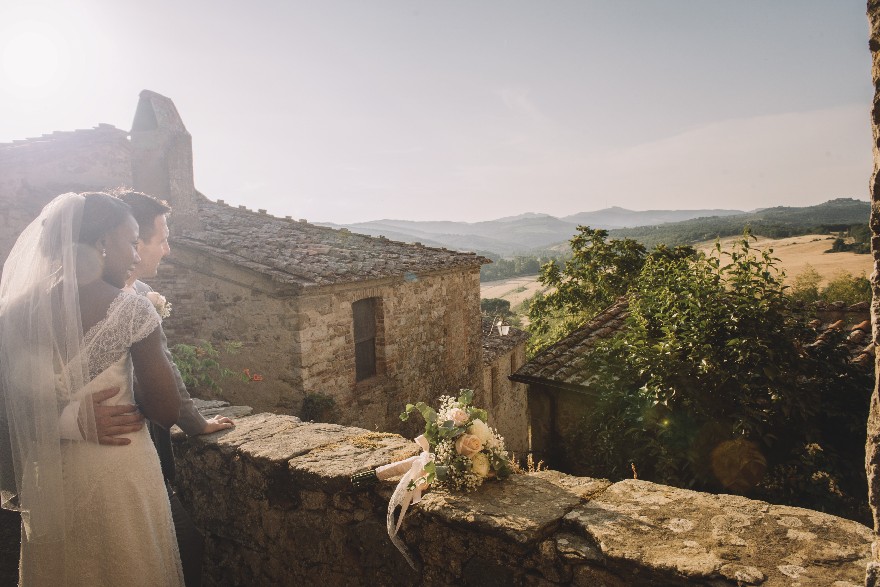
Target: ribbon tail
{"x":402,"y":496}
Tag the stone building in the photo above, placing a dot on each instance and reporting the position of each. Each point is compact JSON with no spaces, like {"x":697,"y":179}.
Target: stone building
{"x":559,"y":394}
{"x":503,"y":354}
{"x":369,"y":322}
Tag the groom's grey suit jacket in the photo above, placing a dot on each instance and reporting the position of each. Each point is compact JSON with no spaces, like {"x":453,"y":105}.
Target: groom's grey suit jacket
{"x":190,"y":419}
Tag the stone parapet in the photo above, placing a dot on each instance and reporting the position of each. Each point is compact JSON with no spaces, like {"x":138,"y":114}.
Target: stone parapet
{"x":274,"y":499}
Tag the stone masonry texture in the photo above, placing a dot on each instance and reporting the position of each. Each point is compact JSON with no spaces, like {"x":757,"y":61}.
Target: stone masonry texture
{"x":274,"y":499}
{"x":872,"y":447}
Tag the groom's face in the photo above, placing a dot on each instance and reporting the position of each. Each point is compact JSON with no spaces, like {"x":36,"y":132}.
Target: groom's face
{"x":153,"y":249}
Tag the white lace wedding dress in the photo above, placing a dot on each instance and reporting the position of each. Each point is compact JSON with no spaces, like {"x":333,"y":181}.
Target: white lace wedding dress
{"x":119,"y":530}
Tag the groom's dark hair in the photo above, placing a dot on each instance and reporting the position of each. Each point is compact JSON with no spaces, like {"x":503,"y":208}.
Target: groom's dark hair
{"x":144,"y":208}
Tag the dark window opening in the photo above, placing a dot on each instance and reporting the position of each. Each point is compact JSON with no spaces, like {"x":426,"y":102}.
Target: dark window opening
{"x":364,"y":312}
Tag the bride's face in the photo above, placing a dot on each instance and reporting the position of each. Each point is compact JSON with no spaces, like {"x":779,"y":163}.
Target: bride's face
{"x":120,"y":246}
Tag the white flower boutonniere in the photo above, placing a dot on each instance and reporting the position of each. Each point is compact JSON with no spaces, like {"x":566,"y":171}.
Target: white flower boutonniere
{"x":163,"y":306}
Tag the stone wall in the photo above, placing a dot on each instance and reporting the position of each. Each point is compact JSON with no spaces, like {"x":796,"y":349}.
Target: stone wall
{"x":274,"y":500}
{"x":872,"y":447}
{"x":217,"y":302}
{"x":555,"y":415}
{"x":428,"y":343}
{"x":34,"y":171}
{"x":506,"y":400}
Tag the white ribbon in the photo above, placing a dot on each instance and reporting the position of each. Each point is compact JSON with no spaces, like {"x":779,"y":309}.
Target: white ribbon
{"x":403,"y":496}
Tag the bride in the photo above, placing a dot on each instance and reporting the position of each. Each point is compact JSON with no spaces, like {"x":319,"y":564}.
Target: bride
{"x":91,"y":514}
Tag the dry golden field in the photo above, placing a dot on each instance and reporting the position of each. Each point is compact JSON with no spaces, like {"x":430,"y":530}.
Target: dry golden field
{"x":794,"y":254}
{"x":514,"y":290}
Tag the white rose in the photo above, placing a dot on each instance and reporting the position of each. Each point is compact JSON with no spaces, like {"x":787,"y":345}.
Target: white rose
{"x":458,"y":416}
{"x":479,"y":429}
{"x":467,"y":445}
{"x":480,"y":464}
{"x":163,"y":307}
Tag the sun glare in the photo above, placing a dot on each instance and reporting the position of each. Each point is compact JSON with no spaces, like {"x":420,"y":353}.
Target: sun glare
{"x":29,"y":59}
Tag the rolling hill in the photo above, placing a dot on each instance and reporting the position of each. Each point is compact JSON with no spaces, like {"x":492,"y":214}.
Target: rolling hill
{"x":517,"y":234}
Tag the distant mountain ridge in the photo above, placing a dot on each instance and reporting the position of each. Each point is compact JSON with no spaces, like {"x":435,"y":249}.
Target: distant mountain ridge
{"x":532,"y":231}
{"x":517,"y":234}
{"x":776,"y":222}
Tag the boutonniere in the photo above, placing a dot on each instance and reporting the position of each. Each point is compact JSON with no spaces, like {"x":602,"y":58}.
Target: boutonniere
{"x":163,"y":306}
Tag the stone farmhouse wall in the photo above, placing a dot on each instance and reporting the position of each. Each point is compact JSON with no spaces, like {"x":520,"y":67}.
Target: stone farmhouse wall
{"x":220,"y":303}
{"x":274,"y":500}
{"x":554,"y":415}
{"x":34,"y":171}
{"x":428,"y":343}
{"x":303,"y":344}
{"x":506,"y":400}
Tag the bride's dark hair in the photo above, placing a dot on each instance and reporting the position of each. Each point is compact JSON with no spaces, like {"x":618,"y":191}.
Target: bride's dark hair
{"x":101,"y":213}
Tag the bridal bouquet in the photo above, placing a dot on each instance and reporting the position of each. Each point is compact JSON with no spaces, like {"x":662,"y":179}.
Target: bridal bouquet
{"x":466,"y":451}
{"x":458,"y":450}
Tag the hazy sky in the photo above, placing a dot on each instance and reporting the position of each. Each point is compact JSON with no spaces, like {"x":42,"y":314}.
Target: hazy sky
{"x":466,"y":110}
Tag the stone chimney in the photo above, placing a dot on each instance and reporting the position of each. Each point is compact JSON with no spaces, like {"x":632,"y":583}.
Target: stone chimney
{"x":162,"y":161}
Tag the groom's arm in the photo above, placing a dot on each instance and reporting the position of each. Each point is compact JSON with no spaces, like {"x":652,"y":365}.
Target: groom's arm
{"x":110,"y":421}
{"x":190,"y":419}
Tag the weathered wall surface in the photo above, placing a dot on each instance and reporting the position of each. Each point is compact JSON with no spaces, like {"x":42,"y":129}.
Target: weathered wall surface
{"x":274,"y":499}
{"x":34,"y":171}
{"x":872,"y":447}
{"x":555,"y":415}
{"x":428,"y":341}
{"x":213,"y":301}
{"x":506,"y":400}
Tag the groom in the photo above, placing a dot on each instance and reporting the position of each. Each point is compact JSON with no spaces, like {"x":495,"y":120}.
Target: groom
{"x":151,"y":215}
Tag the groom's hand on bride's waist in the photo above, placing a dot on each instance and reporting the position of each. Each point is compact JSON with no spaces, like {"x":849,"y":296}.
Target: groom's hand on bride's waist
{"x":112,"y":421}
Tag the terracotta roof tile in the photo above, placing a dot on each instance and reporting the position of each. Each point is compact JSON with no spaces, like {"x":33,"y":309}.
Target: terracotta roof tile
{"x":562,"y":362}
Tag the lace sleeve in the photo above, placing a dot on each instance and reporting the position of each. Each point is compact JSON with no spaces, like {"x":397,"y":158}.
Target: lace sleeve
{"x":143,"y":317}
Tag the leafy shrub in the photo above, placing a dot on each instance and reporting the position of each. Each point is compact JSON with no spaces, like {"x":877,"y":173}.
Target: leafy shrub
{"x":598,"y":272}
{"x":806,"y":285}
{"x":714,"y":384}
{"x":200,"y":365}
{"x":847,"y":288}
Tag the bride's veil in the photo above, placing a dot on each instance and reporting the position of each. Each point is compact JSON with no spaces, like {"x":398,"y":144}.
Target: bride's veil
{"x":40,"y":330}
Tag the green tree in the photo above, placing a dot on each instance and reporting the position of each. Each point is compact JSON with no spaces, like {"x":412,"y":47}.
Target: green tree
{"x":495,"y":307}
{"x":598,"y":272}
{"x":715,"y":383}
